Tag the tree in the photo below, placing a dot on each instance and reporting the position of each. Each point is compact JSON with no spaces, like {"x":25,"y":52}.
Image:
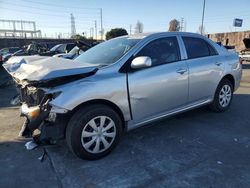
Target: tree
{"x":78,"y":37}
{"x":116,"y":32}
{"x":174,"y":25}
{"x":139,"y":27}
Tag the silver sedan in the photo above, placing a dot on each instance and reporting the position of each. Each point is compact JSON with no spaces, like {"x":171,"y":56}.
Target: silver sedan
{"x":122,"y":84}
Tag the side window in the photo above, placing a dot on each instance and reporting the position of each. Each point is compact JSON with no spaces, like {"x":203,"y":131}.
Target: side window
{"x":197,"y":47}
{"x":69,"y":47}
{"x":162,"y":51}
{"x":61,"y":48}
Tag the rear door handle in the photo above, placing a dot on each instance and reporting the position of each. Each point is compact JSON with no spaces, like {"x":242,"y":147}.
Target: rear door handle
{"x":218,"y":63}
{"x":181,"y":71}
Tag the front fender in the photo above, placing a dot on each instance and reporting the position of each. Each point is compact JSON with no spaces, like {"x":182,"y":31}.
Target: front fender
{"x":112,"y":89}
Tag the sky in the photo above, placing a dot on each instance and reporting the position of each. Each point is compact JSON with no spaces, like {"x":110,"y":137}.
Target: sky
{"x":53,"y":16}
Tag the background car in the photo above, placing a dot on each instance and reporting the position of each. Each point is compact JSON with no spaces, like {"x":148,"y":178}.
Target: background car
{"x":7,"y":52}
{"x":59,"y":48}
{"x":80,"y":47}
{"x":31,"y":49}
{"x":41,"y":49}
{"x":245,"y":54}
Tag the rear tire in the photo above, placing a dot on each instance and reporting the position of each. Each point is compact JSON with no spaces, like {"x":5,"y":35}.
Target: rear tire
{"x":223,"y":96}
{"x":93,"y":132}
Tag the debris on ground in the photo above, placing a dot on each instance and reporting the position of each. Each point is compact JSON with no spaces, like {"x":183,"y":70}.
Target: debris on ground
{"x":219,"y":162}
{"x":31,"y":145}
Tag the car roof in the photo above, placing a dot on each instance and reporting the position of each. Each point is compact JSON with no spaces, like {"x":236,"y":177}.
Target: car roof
{"x":155,"y":34}
{"x":143,"y":36}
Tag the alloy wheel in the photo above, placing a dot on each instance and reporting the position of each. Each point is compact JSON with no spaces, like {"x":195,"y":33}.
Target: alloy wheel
{"x":98,"y":134}
{"x":225,"y":96}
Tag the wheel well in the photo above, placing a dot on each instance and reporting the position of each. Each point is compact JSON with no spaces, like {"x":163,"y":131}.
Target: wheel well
{"x":230,"y":78}
{"x":104,"y":102}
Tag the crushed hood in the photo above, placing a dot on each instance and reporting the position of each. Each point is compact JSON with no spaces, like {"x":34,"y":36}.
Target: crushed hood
{"x":247,"y":42}
{"x":40,"y":68}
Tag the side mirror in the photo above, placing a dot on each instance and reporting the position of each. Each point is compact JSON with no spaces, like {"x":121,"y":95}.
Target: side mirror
{"x":141,"y":62}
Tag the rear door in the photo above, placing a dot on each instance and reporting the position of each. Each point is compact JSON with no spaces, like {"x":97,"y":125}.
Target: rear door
{"x":205,"y":69}
{"x":162,"y":88}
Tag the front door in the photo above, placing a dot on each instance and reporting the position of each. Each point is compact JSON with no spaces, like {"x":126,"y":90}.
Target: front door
{"x":162,"y":88}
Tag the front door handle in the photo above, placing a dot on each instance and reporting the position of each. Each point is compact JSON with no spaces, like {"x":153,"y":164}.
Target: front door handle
{"x":181,"y":71}
{"x":218,"y":63}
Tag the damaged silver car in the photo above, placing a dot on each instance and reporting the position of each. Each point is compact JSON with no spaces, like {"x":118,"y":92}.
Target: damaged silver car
{"x":120,"y":85}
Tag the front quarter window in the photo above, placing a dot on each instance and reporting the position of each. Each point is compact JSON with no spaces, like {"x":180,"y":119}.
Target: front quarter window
{"x":107,"y":52}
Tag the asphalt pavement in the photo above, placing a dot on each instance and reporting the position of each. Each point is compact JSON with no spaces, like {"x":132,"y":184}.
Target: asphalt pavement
{"x":199,"y":148}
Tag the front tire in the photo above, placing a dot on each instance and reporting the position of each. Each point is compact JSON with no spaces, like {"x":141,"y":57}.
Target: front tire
{"x":93,"y":132}
{"x":223,"y":96}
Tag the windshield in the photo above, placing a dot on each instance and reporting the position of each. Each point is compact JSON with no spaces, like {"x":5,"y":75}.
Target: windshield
{"x":59,"y":48}
{"x":4,"y":51}
{"x":107,"y":52}
{"x":74,"y":50}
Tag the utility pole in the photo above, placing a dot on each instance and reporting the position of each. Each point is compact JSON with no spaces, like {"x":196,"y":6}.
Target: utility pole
{"x":130,"y":29}
{"x":14,"y":28}
{"x":22,"y":27}
{"x":182,"y":24}
{"x":101,"y":24}
{"x":203,"y":15}
{"x":95,"y":30}
{"x":91,"y":32}
{"x":73,"y":26}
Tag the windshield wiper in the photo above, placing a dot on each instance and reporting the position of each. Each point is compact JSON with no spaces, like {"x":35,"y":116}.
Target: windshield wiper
{"x":103,"y":65}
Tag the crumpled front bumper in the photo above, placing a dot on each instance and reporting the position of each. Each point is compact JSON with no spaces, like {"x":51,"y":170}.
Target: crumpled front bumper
{"x":35,"y":115}
{"x":52,"y":126}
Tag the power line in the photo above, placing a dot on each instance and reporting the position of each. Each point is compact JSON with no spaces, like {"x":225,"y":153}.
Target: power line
{"x":59,"y":5}
{"x":45,"y":9}
{"x":44,"y":14}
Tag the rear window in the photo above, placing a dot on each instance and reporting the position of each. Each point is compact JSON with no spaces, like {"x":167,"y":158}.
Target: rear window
{"x":197,"y":48}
